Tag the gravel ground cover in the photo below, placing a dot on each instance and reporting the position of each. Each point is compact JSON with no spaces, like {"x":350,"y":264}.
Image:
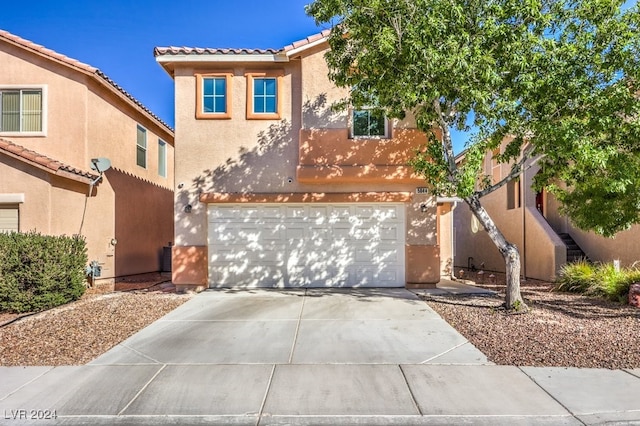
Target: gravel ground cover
{"x":560,"y":329}
{"x":78,"y":332}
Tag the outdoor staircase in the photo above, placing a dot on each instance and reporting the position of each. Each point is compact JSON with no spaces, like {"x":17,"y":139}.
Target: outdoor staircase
{"x":574,"y":252}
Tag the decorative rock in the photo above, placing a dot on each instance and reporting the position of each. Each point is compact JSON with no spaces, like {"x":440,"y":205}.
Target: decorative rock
{"x":634,"y":295}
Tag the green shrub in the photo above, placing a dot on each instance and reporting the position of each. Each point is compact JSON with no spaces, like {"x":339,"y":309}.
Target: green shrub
{"x":599,"y":280}
{"x":38,"y":272}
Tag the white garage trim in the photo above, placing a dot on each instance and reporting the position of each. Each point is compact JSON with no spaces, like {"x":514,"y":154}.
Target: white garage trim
{"x":306,"y":245}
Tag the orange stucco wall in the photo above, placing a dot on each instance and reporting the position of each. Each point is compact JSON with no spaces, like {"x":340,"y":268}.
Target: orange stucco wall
{"x":190,"y":266}
{"x":87,"y":119}
{"x":240,"y":159}
{"x":423,"y":265}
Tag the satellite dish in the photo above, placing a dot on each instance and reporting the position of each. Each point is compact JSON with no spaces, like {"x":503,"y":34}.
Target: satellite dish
{"x":100,"y":165}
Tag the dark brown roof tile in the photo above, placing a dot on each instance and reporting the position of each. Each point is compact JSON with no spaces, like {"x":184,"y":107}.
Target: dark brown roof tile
{"x":34,"y":158}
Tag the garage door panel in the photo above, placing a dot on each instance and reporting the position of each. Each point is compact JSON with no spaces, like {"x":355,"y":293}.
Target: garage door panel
{"x":295,"y":212}
{"x":341,"y":232}
{"x":387,"y":276}
{"x":319,"y":245}
{"x":295,"y":233}
{"x":389,"y":233}
{"x":271,"y":212}
{"x":316,"y":212}
{"x":387,"y":256}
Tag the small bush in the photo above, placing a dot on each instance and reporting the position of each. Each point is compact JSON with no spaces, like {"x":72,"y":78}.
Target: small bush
{"x":599,"y":280}
{"x":38,"y":272}
{"x":576,"y":277}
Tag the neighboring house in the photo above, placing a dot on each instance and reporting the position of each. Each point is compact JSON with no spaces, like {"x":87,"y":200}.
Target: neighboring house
{"x":546,"y":239}
{"x":276,"y":189}
{"x":56,"y":116}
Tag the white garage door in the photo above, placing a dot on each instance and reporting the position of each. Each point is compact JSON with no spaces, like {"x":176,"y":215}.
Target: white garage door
{"x":306,"y":245}
{"x":8,"y":219}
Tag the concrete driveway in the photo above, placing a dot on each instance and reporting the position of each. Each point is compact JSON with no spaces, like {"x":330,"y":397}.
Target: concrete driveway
{"x":374,"y":356}
{"x":371,"y":326}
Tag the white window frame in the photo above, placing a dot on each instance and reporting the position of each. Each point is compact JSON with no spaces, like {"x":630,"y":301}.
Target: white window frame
{"x":352,"y":134}
{"x":162,"y":158}
{"x":44,"y":90}
{"x":140,"y":148}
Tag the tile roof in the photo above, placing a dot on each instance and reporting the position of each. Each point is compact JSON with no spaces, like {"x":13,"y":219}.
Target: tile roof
{"x":42,"y":161}
{"x":173,"y":50}
{"x":309,"y":40}
{"x":79,"y":66}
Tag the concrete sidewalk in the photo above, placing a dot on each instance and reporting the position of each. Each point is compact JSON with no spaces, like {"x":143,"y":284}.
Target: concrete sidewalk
{"x":369,"y":356}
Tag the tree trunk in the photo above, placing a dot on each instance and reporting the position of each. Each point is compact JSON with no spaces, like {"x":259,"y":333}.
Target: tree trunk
{"x":509,"y":252}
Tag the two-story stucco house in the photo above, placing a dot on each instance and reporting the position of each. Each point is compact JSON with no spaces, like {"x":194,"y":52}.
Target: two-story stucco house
{"x":275,"y":188}
{"x":58,"y":118}
{"x":547,"y":240}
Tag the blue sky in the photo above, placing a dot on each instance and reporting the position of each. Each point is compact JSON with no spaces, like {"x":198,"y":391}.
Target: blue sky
{"x":118,"y":36}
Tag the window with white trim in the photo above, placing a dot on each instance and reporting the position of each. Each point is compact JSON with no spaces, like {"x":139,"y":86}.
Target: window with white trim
{"x":141,"y":147}
{"x":368,"y":123}
{"x":22,"y":110}
{"x":162,"y":158}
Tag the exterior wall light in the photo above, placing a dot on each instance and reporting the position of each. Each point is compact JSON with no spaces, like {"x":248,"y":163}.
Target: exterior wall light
{"x":188,"y":208}
{"x":423,"y":208}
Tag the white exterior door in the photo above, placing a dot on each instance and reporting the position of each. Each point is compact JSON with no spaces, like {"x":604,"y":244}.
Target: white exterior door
{"x":306,"y":245}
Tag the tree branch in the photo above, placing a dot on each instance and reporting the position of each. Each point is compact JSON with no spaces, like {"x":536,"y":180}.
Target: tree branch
{"x":446,"y":138}
{"x":516,"y":170}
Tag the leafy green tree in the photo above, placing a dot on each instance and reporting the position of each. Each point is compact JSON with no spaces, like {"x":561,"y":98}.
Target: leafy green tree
{"x":559,"y":78}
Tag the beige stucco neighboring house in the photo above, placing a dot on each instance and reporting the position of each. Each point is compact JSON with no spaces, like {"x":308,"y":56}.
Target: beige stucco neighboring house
{"x":58,"y":119}
{"x":532,"y":221}
{"x":277,"y":189}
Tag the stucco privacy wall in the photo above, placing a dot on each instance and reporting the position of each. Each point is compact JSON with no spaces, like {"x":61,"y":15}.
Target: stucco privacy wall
{"x":219,"y":160}
{"x":127,"y":219}
{"x":542,"y":253}
{"x":536,"y":233}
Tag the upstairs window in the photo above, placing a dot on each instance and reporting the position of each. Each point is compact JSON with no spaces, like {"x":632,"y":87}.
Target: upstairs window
{"x":141,"y":147}
{"x":264,"y":95}
{"x":213,"y":97}
{"x":368,"y":123}
{"x":21,"y":110}
{"x":162,"y":158}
